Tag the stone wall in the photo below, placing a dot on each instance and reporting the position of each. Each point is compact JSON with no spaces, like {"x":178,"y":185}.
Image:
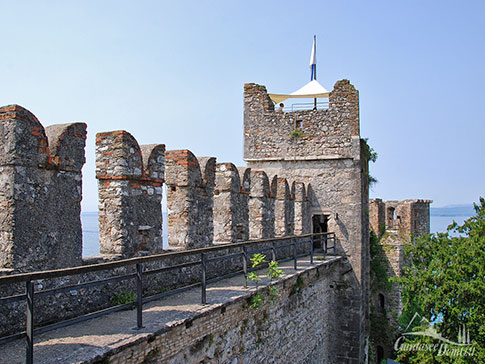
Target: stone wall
{"x":268,"y":134}
{"x":302,"y":223}
{"x":283,"y":207}
{"x":261,"y":207}
{"x":76,"y":302}
{"x":230,"y":205}
{"x":396,"y":223}
{"x":189,"y":199}
{"x":41,"y":191}
{"x":298,"y":327}
{"x":322,"y":149}
{"x":377,"y":217}
{"x":130,"y":181}
{"x":407,"y":216}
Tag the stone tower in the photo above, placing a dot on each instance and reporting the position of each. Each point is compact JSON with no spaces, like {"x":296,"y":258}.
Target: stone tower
{"x":323,"y":149}
{"x":395,"y":223}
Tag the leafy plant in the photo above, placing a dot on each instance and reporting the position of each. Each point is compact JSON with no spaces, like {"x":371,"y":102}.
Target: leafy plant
{"x":254,"y":277}
{"x":297,"y":133}
{"x":273,"y":272}
{"x":123,"y":297}
{"x":445,"y":283}
{"x":256,"y":301}
{"x":370,"y":155}
{"x":257,"y":259}
{"x":273,"y":293}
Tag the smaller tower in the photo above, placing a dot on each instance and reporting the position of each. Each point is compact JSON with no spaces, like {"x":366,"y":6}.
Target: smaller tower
{"x":395,"y":224}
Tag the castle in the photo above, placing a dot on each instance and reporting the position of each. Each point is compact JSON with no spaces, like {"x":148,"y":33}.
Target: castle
{"x":307,"y":171}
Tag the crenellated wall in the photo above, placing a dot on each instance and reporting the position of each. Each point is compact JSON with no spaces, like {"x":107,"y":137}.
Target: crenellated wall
{"x":40,"y":192}
{"x":230,"y":205}
{"x":283,"y":207}
{"x":302,"y":223}
{"x":407,"y":216}
{"x":320,"y":171}
{"x":261,"y":206}
{"x":130,"y":181}
{"x":321,"y":148}
{"x":190,"y":192}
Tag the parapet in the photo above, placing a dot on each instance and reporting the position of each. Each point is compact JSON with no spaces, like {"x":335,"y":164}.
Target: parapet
{"x":261,"y":206}
{"x":190,"y":201}
{"x":130,"y":179}
{"x":230,"y":205}
{"x":407,"y":216}
{"x":42,"y":184}
{"x":272,"y":135}
{"x":301,"y":209}
{"x":283,"y":207}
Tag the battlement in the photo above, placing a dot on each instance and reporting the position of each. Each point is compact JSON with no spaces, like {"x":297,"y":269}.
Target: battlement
{"x":306,"y":173}
{"x":130,"y":179}
{"x":231,"y":214}
{"x":41,"y":182}
{"x":272,"y":135}
{"x":407,"y":216}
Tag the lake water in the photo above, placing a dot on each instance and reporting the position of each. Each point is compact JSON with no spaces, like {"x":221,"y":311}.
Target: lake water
{"x":89,"y":221}
{"x":439,"y":220}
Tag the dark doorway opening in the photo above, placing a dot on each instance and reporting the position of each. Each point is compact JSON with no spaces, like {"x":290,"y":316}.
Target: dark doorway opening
{"x":381,"y":305}
{"x":320,"y":225}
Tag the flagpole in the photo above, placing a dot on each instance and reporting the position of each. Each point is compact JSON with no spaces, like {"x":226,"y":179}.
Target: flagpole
{"x":314,"y":69}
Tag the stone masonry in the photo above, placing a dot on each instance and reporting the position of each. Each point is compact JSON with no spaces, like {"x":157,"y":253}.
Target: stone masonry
{"x":189,"y":199}
{"x":130,"y":181}
{"x":322,"y":148}
{"x":40,"y":192}
{"x":261,"y":207}
{"x":396,"y":223}
{"x":230,"y":207}
{"x":297,"y":327}
{"x":283,"y":208}
{"x":300,"y":210}
{"x":319,"y":172}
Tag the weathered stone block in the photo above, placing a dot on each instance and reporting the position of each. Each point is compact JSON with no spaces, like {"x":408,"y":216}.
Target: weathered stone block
{"x":230,"y":205}
{"x":261,"y":207}
{"x":40,"y":176}
{"x":190,"y":193}
{"x":130,"y":180}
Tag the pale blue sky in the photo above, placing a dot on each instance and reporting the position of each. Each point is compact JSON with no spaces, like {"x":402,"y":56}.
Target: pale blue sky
{"x":173,"y":73}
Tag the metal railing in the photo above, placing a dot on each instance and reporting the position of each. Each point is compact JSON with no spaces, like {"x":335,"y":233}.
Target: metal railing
{"x":300,"y":106}
{"x":319,"y":239}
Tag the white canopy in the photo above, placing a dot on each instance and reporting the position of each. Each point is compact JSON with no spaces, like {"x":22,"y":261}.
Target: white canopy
{"x":311,"y":90}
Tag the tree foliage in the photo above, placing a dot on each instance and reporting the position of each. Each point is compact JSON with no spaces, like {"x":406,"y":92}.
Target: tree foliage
{"x":445,"y":283}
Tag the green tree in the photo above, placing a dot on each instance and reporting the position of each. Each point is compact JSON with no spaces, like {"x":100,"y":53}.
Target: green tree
{"x":445,"y":283}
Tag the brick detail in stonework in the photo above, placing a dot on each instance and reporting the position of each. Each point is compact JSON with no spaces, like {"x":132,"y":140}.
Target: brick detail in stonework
{"x":41,"y":184}
{"x":130,"y":179}
{"x":190,"y":192}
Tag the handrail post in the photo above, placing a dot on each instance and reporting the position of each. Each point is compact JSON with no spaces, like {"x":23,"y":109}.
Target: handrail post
{"x":245,"y":266}
{"x":334,"y":244}
{"x":139,"y":295}
{"x":203,"y":279}
{"x":30,"y":323}
{"x":273,"y":252}
{"x":323,"y":242}
{"x":311,"y":250}
{"x":294,"y":254}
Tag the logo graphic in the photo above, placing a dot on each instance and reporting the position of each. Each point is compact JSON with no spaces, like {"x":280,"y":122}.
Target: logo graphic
{"x":444,"y":346}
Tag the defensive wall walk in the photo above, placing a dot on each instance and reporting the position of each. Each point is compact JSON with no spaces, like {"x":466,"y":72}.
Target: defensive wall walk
{"x":179,"y":329}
